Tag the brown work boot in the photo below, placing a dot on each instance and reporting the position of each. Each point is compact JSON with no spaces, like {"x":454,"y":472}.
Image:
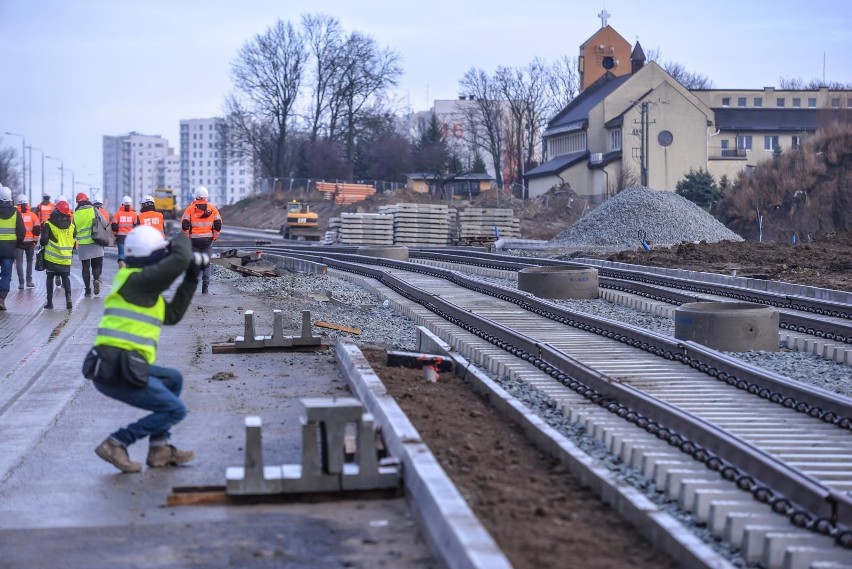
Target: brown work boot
{"x":168,"y":455}
{"x":97,"y":286}
{"x":115,"y":453}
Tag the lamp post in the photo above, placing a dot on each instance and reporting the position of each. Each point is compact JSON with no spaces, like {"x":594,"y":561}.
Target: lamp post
{"x":23,"y":161}
{"x":72,"y":179}
{"x":61,"y":174}
{"x":31,"y":171}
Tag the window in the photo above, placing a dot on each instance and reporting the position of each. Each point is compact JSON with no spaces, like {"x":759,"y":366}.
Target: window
{"x":725,"y":149}
{"x":726,"y":101}
{"x":811,"y":102}
{"x":835,"y":103}
{"x":758,"y":101}
{"x":797,"y":102}
{"x":615,"y":139}
{"x":779,"y":102}
{"x":796,"y":141}
{"x":744,"y":142}
{"x":574,"y":142}
{"x":849,"y":102}
{"x":741,"y":101}
{"x":770,"y":142}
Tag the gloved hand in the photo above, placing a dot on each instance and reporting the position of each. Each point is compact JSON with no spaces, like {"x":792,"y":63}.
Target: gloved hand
{"x":198,"y":263}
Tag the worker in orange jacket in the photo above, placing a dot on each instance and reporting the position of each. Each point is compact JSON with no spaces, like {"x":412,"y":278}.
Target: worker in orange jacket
{"x":123,"y":221}
{"x":202,"y":223}
{"x":32,"y":226}
{"x":43,"y":209}
{"x":148,"y":215}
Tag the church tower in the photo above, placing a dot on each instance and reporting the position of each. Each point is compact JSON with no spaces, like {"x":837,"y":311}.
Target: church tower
{"x":606,"y":51}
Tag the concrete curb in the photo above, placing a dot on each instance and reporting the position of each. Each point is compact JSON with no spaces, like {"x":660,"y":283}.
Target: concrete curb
{"x":450,"y":526}
{"x":657,"y":526}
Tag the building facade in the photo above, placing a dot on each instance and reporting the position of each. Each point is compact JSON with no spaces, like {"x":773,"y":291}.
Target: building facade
{"x":131,"y":166}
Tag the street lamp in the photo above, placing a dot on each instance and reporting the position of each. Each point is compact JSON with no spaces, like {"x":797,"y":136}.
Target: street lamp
{"x":61,"y":174}
{"x":23,"y":161}
{"x":31,"y":171}
{"x":72,"y":179}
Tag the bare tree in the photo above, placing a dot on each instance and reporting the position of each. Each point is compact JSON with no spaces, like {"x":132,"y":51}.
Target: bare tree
{"x":268,"y":75}
{"x":325,"y":41}
{"x":9,"y":169}
{"x":679,"y":72}
{"x":563,"y":84}
{"x":797,"y":83}
{"x":484,"y":118}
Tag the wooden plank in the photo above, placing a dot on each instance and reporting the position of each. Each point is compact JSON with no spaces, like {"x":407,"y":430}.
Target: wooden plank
{"x":341,"y":327}
{"x":231,"y":348}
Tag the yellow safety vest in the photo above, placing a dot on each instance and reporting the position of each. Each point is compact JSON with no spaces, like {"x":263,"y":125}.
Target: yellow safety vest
{"x":7,"y":228}
{"x":59,"y":252}
{"x":83,"y":219}
{"x":130,"y":326}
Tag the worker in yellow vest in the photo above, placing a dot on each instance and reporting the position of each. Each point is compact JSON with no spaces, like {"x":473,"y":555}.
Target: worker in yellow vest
{"x":122,"y":362}
{"x":57,"y":237}
{"x":11,"y":236}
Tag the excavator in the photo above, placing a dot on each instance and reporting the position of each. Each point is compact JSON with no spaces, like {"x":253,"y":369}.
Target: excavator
{"x":302,"y":224}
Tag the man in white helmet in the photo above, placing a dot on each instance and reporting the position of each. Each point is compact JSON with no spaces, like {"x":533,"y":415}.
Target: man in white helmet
{"x":122,"y":362}
{"x":201,"y":222}
{"x":123,"y":221}
{"x":12,"y":232}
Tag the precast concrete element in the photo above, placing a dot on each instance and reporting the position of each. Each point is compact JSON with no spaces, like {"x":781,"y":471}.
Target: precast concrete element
{"x":728,"y":326}
{"x":397,"y":253}
{"x":324,"y":467}
{"x":278,"y":340}
{"x":563,"y":281}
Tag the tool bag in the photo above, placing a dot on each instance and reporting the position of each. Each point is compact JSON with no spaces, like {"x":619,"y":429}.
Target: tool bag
{"x":111,"y":366}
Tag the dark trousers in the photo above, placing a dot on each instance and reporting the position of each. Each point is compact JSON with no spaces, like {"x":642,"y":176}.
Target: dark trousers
{"x":95,"y":266}
{"x":20,"y":254}
{"x":205,"y":275}
{"x":66,"y":284}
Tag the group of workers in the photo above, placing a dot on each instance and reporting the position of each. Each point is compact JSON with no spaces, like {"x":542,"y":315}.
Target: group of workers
{"x":60,"y":231}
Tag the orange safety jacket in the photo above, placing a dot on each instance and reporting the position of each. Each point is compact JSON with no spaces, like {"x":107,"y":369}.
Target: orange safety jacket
{"x":152,"y":218}
{"x":104,"y":213}
{"x":201,"y":222}
{"x":30,"y":222}
{"x":125,"y":220}
{"x":43,"y":210}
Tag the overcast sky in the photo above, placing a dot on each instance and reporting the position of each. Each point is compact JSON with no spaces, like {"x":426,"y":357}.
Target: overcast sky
{"x":75,"y":70}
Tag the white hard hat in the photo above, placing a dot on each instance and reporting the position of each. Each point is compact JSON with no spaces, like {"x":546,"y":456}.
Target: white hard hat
{"x":5,"y":194}
{"x":147,"y":199}
{"x":61,"y":199}
{"x":143,"y":241}
{"x":126,"y":200}
{"x":22,"y":199}
{"x":201,"y":193}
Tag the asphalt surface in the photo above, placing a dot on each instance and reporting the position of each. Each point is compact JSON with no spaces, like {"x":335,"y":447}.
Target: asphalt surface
{"x":61,"y":506}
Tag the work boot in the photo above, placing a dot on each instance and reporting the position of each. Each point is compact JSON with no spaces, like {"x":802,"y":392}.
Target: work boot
{"x":2,"y":301}
{"x":49,"y":305}
{"x":68,"y":305}
{"x":97,"y":286}
{"x":121,"y":264}
{"x":88,"y":292}
{"x":115,"y":453}
{"x":204,"y":287}
{"x":30,"y":284}
{"x":168,"y":455}
{"x":20,"y":286}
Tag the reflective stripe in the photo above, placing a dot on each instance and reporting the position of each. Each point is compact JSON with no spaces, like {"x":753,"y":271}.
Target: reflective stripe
{"x":133,"y":315}
{"x":127,"y":336}
{"x":59,"y":252}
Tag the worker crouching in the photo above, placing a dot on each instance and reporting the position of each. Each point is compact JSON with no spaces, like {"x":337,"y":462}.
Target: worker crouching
{"x":122,"y":362}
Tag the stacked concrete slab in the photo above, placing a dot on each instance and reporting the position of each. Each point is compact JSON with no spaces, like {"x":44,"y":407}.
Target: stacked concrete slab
{"x":477,"y":225}
{"x":332,"y":234}
{"x":366,"y":229}
{"x":419,"y":224}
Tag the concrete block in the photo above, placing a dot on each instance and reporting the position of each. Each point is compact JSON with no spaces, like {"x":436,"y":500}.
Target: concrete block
{"x":775,"y":545}
{"x":278,"y":339}
{"x":684,"y":492}
{"x":306,"y":338}
{"x":253,"y":477}
{"x":250,"y":339}
{"x":659,"y":470}
{"x":805,"y":557}
{"x":734,"y":514}
{"x":339,"y":409}
{"x":704,"y":498}
{"x":753,"y":540}
{"x":355,"y":478}
{"x":295,"y":480}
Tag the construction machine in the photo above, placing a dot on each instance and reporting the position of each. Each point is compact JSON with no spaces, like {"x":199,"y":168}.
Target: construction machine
{"x":302,"y":224}
{"x":165,"y":202}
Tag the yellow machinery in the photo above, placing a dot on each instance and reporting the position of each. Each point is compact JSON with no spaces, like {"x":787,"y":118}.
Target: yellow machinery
{"x":302,"y":224}
{"x":165,"y":202}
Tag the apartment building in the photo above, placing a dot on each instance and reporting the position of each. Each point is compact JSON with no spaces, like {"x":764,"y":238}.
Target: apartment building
{"x":132,"y":166}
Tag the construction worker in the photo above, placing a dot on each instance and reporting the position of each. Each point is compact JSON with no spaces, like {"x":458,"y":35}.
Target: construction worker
{"x":122,"y":362}
{"x":27,"y":249}
{"x":12,"y":234}
{"x":148,"y":215}
{"x":57,"y":237}
{"x":44,"y":209}
{"x":99,"y":205}
{"x":123,"y":221}
{"x":202,"y":223}
{"x":91,"y":254}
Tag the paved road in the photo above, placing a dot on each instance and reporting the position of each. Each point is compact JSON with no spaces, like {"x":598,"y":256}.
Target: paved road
{"x":61,"y":506}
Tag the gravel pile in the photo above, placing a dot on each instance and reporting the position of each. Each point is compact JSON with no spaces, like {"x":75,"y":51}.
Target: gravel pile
{"x":665,"y":217}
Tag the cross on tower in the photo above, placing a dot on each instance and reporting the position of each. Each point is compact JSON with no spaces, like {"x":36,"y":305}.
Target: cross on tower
{"x":604,"y":15}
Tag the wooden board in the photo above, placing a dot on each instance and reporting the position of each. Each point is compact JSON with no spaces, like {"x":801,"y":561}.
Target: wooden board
{"x":341,"y":327}
{"x":231,"y":348}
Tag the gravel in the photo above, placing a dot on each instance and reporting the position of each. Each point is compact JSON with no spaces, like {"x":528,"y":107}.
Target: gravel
{"x":665,"y":217}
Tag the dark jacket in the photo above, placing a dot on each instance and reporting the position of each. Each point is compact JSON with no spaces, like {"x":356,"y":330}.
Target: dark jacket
{"x":143,"y":288}
{"x":61,"y":221}
{"x":7,"y":248}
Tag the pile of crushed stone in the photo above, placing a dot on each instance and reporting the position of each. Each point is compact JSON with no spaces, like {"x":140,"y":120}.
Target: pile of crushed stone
{"x":665,"y":218}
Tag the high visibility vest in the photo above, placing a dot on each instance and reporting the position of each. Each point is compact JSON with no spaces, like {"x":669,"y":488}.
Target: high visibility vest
{"x":59,"y":252}
{"x":7,"y":228}
{"x":130,"y":326}
{"x":125,"y":220}
{"x":44,"y":211}
{"x":201,"y":226}
{"x":83,"y":220}
{"x":30,"y":221}
{"x":152,"y":218}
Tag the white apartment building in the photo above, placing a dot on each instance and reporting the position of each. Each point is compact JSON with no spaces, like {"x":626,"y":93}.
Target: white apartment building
{"x":210,"y":157}
{"x":132,"y":166}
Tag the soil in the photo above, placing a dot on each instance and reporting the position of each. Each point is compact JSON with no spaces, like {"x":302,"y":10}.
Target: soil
{"x":537,"y":514}
{"x":826,"y":262}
